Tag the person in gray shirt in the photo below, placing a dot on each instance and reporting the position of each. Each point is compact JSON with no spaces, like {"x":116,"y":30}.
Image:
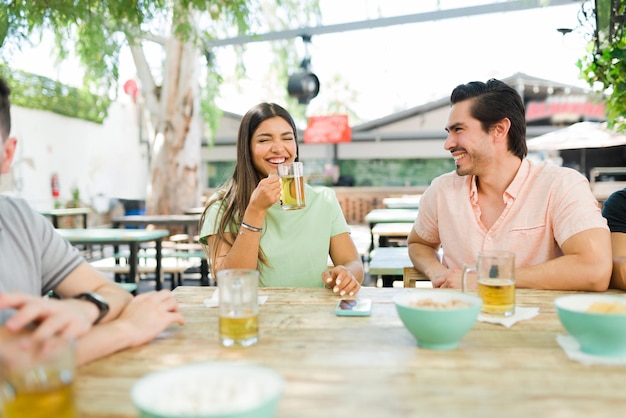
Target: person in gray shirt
{"x":34,"y":260}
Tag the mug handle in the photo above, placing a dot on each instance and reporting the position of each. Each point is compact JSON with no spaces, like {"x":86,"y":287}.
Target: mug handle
{"x":467,"y":269}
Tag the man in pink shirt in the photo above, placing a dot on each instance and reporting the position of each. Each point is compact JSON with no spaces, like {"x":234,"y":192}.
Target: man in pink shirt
{"x":498,"y":199}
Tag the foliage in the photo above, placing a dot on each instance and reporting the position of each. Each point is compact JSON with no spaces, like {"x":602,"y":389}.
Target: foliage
{"x":96,"y":31}
{"x":604,"y":68}
{"x":37,"y":92}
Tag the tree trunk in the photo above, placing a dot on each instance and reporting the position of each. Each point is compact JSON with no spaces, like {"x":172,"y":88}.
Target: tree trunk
{"x":176,"y":148}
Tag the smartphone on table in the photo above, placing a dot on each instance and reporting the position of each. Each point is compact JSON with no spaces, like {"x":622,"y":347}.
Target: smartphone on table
{"x":354,"y":307}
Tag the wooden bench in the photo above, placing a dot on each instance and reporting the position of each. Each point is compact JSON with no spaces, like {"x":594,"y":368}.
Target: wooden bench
{"x":411,"y":277}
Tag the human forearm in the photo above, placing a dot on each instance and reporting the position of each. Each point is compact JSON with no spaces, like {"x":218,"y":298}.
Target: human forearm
{"x":103,"y":340}
{"x":141,"y":321}
{"x":426,"y":260}
{"x":586,"y":264}
{"x":356,"y":268}
{"x":117,"y":298}
{"x":567,"y":272}
{"x":618,"y":277}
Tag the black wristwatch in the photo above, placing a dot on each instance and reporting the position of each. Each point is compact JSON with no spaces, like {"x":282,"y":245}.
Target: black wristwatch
{"x":97,"y":300}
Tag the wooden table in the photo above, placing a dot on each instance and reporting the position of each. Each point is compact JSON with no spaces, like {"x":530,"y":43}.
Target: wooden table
{"x":189,"y":222}
{"x":388,"y":263}
{"x":116,"y":237}
{"x":377,"y":216}
{"x":55,"y":214}
{"x":392,"y":231}
{"x":195,"y":210}
{"x":370,"y":366}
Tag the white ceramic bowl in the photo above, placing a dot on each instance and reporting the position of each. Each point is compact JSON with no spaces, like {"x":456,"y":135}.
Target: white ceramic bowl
{"x":209,"y":390}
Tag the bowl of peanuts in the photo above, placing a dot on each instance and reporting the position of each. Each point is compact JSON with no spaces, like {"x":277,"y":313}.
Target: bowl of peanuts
{"x":596,"y":321}
{"x":438,"y":318}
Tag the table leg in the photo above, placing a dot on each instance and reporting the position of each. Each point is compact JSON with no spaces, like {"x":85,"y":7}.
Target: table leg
{"x":371,"y":237}
{"x":157,"y":272}
{"x":133,"y":263}
{"x":204,"y":272}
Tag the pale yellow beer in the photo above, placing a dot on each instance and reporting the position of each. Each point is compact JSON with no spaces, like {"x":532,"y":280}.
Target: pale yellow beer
{"x":239,"y":307}
{"x":44,"y":401}
{"x":498,"y":296}
{"x":292,"y":192}
{"x":244,"y":328}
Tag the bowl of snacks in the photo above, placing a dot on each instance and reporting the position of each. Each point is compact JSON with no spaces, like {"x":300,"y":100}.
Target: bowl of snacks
{"x":438,"y":318}
{"x":209,"y":390}
{"x":596,"y":321}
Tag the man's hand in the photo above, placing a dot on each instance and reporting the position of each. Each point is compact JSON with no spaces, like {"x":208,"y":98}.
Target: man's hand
{"x":148,"y":314}
{"x":67,"y":317}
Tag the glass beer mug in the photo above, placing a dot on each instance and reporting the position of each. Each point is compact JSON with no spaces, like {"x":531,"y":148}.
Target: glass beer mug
{"x":495,"y":272}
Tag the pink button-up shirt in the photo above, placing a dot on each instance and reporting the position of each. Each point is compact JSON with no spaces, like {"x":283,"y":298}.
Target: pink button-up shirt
{"x":545,"y":205}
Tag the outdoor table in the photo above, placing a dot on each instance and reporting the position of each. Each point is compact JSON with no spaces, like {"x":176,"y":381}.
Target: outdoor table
{"x":55,"y":214}
{"x":377,"y":216}
{"x":371,"y":366}
{"x":388,"y":263}
{"x":390,"y":231}
{"x":189,"y":222}
{"x":195,"y":211}
{"x":117,"y":237}
{"x":404,"y":202}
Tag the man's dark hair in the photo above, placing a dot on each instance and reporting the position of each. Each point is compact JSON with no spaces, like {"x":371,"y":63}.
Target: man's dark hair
{"x":5,"y":111}
{"x":493,"y":101}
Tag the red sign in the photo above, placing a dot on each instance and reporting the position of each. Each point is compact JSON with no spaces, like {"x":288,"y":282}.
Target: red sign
{"x":540,"y":110}
{"x":328,"y":130}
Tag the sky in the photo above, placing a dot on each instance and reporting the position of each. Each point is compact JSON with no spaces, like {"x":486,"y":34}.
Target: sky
{"x":400,"y":67}
{"x":404,"y":66}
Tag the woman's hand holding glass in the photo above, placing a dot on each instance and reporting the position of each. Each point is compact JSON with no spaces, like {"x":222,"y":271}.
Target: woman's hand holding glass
{"x":267,"y":192}
{"x":341,"y":280}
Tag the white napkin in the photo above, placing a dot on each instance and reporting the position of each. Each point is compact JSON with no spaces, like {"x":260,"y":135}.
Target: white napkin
{"x":572,"y":349}
{"x":214,"y":300}
{"x":521,"y":313}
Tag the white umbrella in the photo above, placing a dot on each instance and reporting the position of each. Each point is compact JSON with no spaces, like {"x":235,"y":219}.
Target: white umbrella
{"x":577,"y":136}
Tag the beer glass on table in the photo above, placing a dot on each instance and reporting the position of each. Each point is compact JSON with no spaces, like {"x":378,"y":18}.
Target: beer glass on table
{"x":495,"y":275}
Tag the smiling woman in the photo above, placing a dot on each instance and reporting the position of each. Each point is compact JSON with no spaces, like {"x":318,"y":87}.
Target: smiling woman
{"x":243,"y":227}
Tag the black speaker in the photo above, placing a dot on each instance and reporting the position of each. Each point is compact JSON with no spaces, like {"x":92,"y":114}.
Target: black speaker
{"x":304,"y":86}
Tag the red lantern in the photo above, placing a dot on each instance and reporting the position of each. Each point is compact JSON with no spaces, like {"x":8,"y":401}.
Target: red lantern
{"x":131,"y":88}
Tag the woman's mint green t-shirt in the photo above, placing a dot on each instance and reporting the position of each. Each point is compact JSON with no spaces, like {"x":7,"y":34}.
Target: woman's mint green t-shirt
{"x":296,"y":242}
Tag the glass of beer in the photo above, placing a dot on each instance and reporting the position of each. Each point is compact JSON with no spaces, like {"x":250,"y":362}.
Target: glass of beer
{"x":292,"y":185}
{"x":238,"y":307}
{"x":495,"y":275}
{"x":36,"y":378}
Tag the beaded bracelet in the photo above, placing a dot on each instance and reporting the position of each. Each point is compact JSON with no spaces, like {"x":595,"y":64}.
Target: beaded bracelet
{"x":251,"y":228}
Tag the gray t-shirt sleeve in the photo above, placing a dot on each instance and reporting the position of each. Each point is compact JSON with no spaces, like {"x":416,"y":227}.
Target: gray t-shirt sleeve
{"x":33,"y":257}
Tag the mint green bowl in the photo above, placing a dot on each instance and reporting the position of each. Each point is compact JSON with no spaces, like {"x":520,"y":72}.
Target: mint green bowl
{"x":437,"y":328}
{"x":209,"y":390}
{"x":600,"y":334}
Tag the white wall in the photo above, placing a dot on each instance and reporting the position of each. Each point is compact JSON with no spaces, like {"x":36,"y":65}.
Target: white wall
{"x":105,"y":160}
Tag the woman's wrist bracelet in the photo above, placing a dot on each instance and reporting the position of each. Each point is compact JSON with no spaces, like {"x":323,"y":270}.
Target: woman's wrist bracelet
{"x":251,"y":228}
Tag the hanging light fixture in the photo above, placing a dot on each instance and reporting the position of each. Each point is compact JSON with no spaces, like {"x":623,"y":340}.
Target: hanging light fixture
{"x":304,"y":85}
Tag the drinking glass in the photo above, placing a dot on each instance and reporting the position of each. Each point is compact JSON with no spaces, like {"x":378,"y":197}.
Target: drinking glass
{"x":292,"y":185}
{"x":238,"y":307}
{"x":495,"y":272}
{"x":36,"y":378}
